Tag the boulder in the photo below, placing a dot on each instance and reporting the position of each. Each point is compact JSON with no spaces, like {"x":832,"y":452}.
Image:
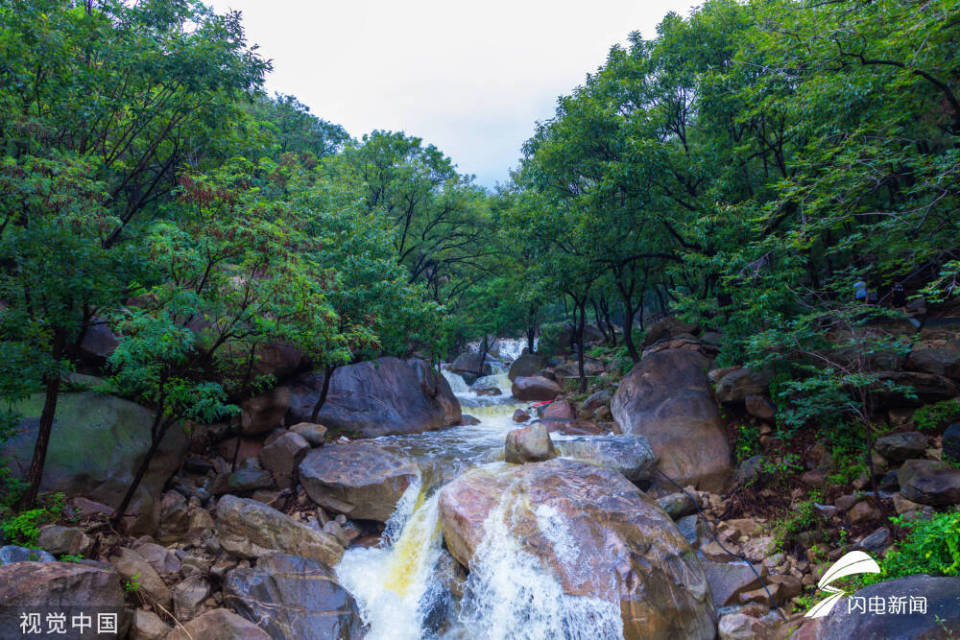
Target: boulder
{"x":357,"y":479}
{"x":940,"y":618}
{"x":729,"y":579}
{"x":593,"y":531}
{"x":526,"y":365}
{"x":939,"y":355}
{"x":665,"y":329}
{"x":376,"y":398}
{"x":467,"y":365}
{"x":242,"y":481}
{"x":313,"y":433}
{"x":251,"y":529}
{"x":677,"y":505}
{"x":218,"y":624}
{"x":293,"y":597}
{"x":928,"y":388}
{"x":188,"y":596}
{"x":98,"y":342}
{"x":630,"y":455}
{"x":529,"y":444}
{"x":66,"y":587}
{"x":534,"y":389}
{"x":739,"y":626}
{"x":264,"y":413}
{"x":282,"y":456}
{"x":148,"y":626}
{"x":666,"y":398}
{"x":897,"y":447}
{"x":163,"y":560}
{"x":119,"y":431}
{"x":928,"y":482}
{"x":134,"y":568}
{"x":951,"y":442}
{"x":60,"y":540}
{"x":740,"y":383}
{"x":760,"y":407}
{"x":12,"y":553}
{"x":520,"y":416}
{"x":278,"y":359}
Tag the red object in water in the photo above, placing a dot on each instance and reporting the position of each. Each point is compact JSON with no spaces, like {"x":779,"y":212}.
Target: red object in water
{"x":540,"y":404}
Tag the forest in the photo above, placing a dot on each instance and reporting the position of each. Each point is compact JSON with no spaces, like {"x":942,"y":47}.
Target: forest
{"x":778,"y":178}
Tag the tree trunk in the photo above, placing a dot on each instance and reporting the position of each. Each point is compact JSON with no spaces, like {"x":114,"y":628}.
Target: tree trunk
{"x":605,"y":310}
{"x":327,"y":375}
{"x":602,"y":327}
{"x":531,"y":329}
{"x":580,"y":330}
{"x":35,"y":472}
{"x":157,"y":435}
{"x":483,"y":355}
{"x":628,"y":313}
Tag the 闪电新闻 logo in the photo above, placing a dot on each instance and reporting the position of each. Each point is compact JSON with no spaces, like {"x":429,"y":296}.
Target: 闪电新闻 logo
{"x":851,"y":564}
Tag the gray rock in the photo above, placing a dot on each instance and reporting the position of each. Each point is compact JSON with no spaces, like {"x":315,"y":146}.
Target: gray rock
{"x":534,"y":389}
{"x":134,"y":568}
{"x":525,"y":366}
{"x":243,"y":481}
{"x":677,"y":505}
{"x":251,"y":529}
{"x":927,"y":482}
{"x":358,"y":479}
{"x":738,"y":384}
{"x":729,"y":579}
{"x":629,"y":454}
{"x":264,"y":413}
{"x":876,"y":541}
{"x":148,"y":626}
{"x":897,"y":447}
{"x":951,"y":442}
{"x":529,"y":444}
{"x":12,"y":553}
{"x":941,"y":620}
{"x":60,"y":540}
{"x":313,"y":433}
{"x":219,"y":624}
{"x":284,"y":454}
{"x":293,"y":597}
{"x":739,"y":626}
{"x":188,"y":595}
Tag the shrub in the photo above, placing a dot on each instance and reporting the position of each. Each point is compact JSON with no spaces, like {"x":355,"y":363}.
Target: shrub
{"x":933,"y":417}
{"x":24,"y":528}
{"x":929,"y":546}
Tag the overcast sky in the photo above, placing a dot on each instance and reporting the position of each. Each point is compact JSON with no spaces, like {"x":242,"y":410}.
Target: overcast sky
{"x":471,"y":78}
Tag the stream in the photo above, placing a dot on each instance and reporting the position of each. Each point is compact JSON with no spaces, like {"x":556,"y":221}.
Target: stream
{"x":410,"y":588}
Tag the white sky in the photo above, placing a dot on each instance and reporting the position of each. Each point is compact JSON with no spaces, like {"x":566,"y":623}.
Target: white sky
{"x":470,"y":78}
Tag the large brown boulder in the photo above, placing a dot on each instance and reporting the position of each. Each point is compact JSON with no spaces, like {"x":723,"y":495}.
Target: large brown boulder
{"x":293,"y":597}
{"x":468,"y":366}
{"x":666,"y":397}
{"x":936,"y":354}
{"x":667,"y":328}
{"x":737,"y":385}
{"x":357,"y":479}
{"x":593,"y":531}
{"x":264,"y":413}
{"x":529,"y":444}
{"x":376,"y":398}
{"x":118,"y":432}
{"x":251,"y":529}
{"x":630,"y":455}
{"x":534,"y":389}
{"x":54,"y":587}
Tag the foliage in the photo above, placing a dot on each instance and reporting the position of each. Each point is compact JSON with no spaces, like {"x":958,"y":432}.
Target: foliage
{"x":930,"y":546}
{"x":748,"y":441}
{"x":804,"y":517}
{"x":24,"y":528}
{"x":934,"y":417}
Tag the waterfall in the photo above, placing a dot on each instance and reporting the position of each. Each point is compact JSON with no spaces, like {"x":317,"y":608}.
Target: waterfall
{"x":457,"y":384}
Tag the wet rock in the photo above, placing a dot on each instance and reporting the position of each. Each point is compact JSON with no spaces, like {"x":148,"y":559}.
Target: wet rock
{"x":293,"y":597}
{"x":692,"y":529}
{"x":928,"y":482}
{"x":520,"y":416}
{"x":282,"y":456}
{"x":599,"y":399}
{"x":667,"y":398}
{"x":148,"y":626}
{"x":119,"y":431}
{"x":898,"y":447}
{"x":526,"y":365}
{"x":628,"y":551}
{"x":941,"y":619}
{"x":487,"y":391}
{"x":251,"y":529}
{"x":631,"y":455}
{"x":313,"y":433}
{"x":376,"y":398}
{"x":729,"y":579}
{"x":468,"y":365}
{"x":760,"y":407}
{"x":468,"y":420}
{"x":357,"y":479}
{"x":218,"y":624}
{"x":12,"y":553}
{"x":534,"y":389}
{"x":60,"y":540}
{"x":738,"y":626}
{"x":264,"y":413}
{"x":876,"y":541}
{"x":677,"y":505}
{"x":951,"y":442}
{"x":66,"y":587}
{"x":134,"y":568}
{"x":738,"y":384}
{"x":529,"y":444}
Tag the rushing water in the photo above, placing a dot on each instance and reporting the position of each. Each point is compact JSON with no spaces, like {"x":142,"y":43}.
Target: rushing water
{"x":405,"y":587}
